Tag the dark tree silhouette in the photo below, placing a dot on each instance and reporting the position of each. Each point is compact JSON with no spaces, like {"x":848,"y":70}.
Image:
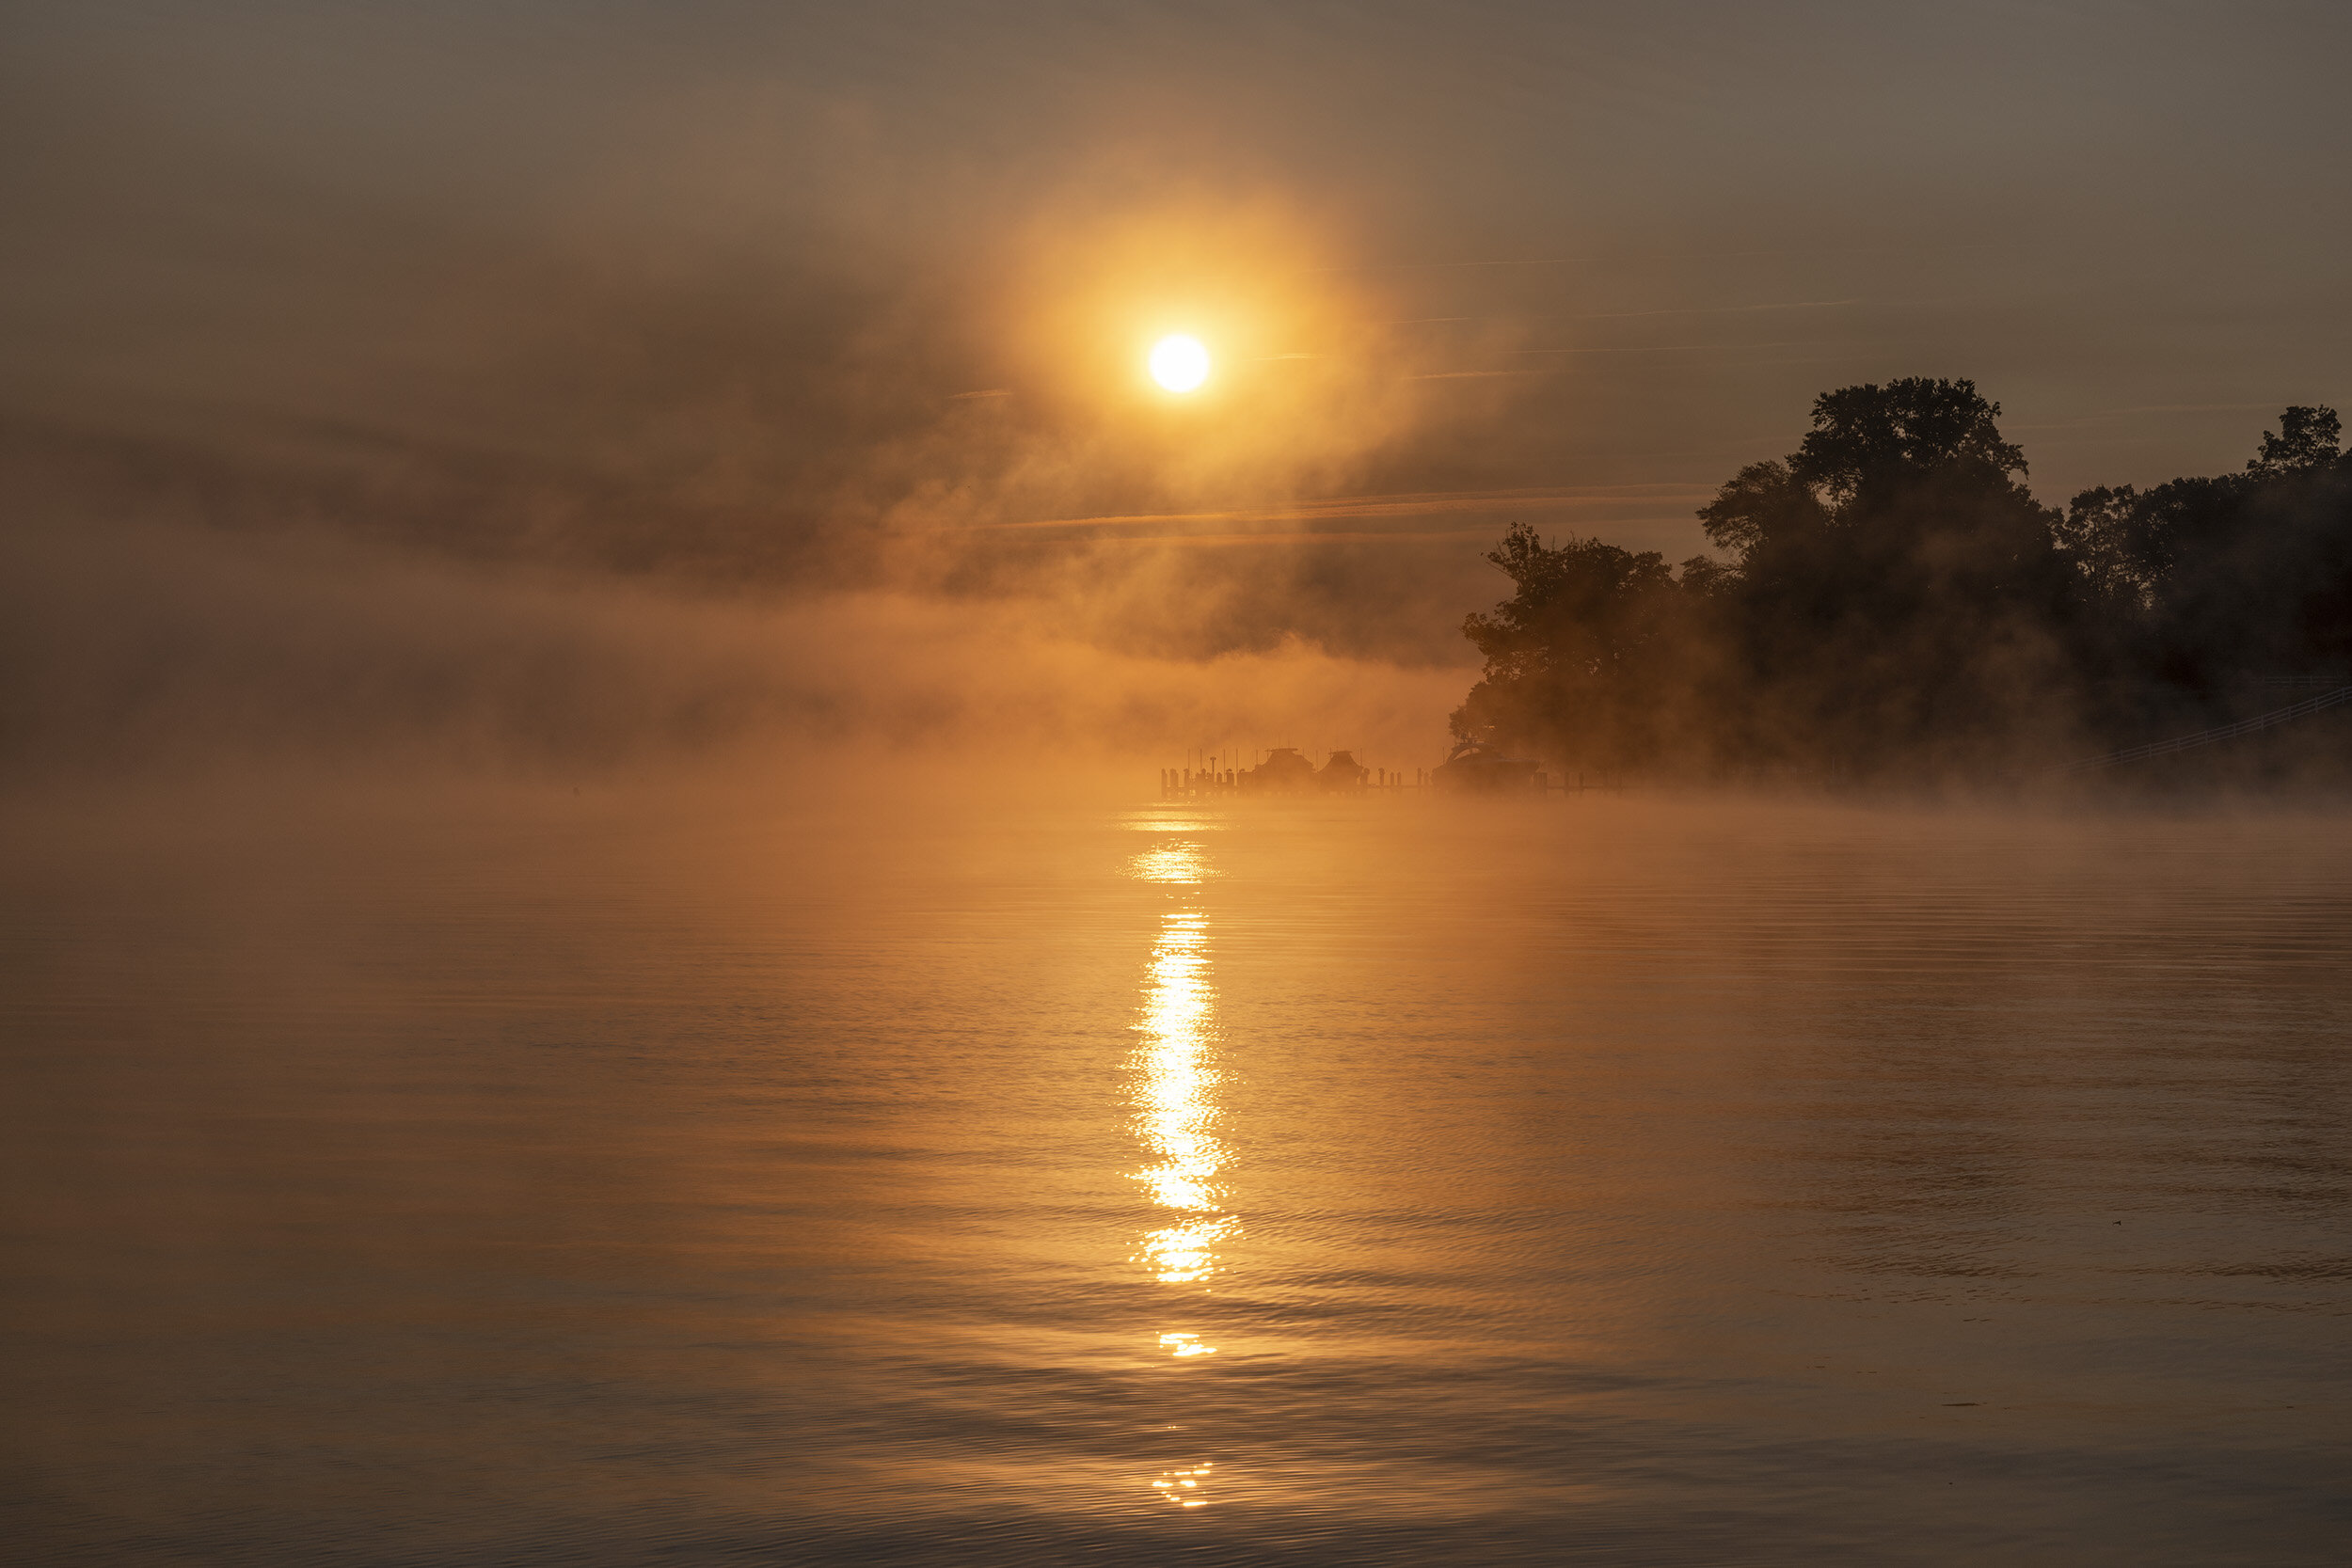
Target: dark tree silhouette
{"x":2307,"y":438}
{"x":1897,"y":581}
{"x":1585,"y":659}
{"x":2210,"y":582}
{"x":1893,"y":600}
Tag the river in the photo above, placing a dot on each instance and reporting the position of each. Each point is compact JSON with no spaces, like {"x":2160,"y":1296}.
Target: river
{"x":666,"y":1178}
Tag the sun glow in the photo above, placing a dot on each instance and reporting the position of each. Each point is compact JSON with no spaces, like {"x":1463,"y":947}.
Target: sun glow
{"x":1173,"y":1080}
{"x":1180,"y":363}
{"x":1175,"y":1104}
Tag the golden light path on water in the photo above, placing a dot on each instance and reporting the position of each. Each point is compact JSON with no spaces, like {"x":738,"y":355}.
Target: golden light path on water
{"x":1172,"y":1082}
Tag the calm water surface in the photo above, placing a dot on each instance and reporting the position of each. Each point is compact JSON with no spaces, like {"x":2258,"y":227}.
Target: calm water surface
{"x":1622,"y":1182}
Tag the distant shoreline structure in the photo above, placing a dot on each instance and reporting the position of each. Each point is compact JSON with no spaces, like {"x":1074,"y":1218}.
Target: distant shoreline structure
{"x":1470,"y":768}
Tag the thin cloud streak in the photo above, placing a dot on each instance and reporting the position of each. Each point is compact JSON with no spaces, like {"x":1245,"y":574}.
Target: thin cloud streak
{"x":1419,"y":505}
{"x":1626,"y":316}
{"x":1711,"y":311}
{"x":1481,"y":530}
{"x":1667,"y":348}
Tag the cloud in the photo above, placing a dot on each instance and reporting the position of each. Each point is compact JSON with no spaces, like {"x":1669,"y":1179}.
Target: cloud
{"x":136,"y":648}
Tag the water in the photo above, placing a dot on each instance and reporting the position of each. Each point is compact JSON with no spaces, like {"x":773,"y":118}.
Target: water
{"x":667,"y":1180}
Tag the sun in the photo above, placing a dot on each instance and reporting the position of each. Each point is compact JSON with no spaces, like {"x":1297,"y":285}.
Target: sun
{"x":1180,"y":363}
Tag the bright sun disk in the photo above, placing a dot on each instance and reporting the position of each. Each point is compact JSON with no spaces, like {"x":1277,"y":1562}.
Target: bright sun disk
{"x":1180,"y":363}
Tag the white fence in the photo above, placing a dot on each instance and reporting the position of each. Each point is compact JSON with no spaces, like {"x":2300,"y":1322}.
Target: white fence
{"x":2303,"y":709}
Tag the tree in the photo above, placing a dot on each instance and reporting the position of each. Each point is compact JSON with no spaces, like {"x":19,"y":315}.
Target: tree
{"x":1896,"y":491}
{"x":1897,"y":580}
{"x":2306,"y":439}
{"x":1893,"y":600}
{"x":1763,"y":506}
{"x":1582,"y":657}
{"x":2104,"y":535}
{"x":1871,"y":439}
{"x":2214,"y":581}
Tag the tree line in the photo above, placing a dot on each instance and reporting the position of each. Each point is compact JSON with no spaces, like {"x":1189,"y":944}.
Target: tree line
{"x":1892,"y":600}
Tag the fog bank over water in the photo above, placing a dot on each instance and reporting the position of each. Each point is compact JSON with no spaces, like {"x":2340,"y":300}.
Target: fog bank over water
{"x":139,"y":649}
{"x":520,"y":381}
{"x":590,"y":968}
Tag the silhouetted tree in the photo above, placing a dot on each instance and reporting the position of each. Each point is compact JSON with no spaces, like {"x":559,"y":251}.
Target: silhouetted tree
{"x":2306,"y":440}
{"x":1584,"y":661}
{"x":2212,"y":581}
{"x":1895,"y":600}
{"x":1899,"y":584}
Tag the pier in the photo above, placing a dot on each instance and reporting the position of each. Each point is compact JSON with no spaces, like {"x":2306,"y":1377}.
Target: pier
{"x":1288,"y":770}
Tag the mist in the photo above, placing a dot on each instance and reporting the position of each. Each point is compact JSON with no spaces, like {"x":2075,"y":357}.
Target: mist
{"x":520,"y":386}
{"x":636,"y":925}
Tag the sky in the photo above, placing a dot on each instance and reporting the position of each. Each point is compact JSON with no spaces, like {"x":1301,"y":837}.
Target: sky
{"x":454,"y":313}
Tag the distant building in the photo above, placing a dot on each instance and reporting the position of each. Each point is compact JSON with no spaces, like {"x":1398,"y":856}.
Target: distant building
{"x":1284,"y":772}
{"x":1340,"y":771}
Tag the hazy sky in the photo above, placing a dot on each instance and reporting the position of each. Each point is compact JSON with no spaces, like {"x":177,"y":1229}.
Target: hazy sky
{"x":856,"y":295}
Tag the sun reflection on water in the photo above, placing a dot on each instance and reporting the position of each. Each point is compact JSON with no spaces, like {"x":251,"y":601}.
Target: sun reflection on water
{"x":1170,"y":863}
{"x":1183,"y":1487}
{"x":1174,"y":1099}
{"x":1172,"y":1084}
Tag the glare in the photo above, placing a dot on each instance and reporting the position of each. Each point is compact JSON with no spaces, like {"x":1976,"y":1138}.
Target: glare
{"x":1180,"y":363}
{"x":1173,"y":863}
{"x":1174,"y":1090}
{"x":1173,"y":1484}
{"x":1173,"y":1085}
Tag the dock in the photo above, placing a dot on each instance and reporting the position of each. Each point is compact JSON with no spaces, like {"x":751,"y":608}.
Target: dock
{"x":1287,"y":771}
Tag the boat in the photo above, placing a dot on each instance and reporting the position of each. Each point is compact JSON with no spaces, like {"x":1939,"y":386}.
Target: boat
{"x":1474,"y":767}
